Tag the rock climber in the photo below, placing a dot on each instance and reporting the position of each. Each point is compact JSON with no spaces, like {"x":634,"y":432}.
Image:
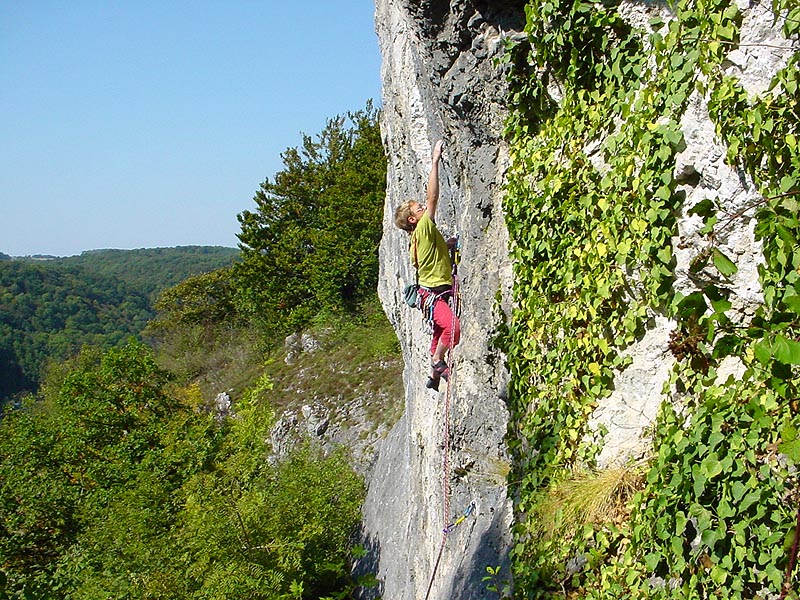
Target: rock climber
{"x":430,"y":255}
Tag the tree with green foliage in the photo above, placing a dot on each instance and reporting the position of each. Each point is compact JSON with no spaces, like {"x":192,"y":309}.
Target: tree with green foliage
{"x":206,"y":299}
{"x":49,"y":312}
{"x":112,"y":486}
{"x":253,"y":530}
{"x":272,"y":533}
{"x":66,"y":457}
{"x":312,"y":242}
{"x":200,"y":335}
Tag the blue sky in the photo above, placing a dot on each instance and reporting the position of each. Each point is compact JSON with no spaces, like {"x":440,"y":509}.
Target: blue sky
{"x":138,"y":124}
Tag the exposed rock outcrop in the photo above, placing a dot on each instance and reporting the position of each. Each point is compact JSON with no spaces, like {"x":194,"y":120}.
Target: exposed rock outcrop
{"x":330,"y":399}
{"x":440,"y":81}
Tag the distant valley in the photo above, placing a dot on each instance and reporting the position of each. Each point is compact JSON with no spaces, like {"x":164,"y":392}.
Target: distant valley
{"x":51,"y":306}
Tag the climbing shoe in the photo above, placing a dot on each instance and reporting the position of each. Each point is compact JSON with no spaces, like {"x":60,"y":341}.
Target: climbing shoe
{"x":433,"y":384}
{"x":441,"y":370}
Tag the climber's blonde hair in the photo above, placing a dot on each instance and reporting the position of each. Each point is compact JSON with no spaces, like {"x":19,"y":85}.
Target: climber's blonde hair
{"x":401,"y":215}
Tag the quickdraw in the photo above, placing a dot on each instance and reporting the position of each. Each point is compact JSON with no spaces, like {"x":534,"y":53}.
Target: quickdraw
{"x":460,"y":519}
{"x":455,"y":252}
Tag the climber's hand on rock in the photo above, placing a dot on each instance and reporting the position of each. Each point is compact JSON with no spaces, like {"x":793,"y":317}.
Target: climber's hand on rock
{"x":437,"y":151}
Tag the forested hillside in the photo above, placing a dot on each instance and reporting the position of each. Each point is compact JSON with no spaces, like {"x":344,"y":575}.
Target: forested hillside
{"x":50,"y":308}
{"x":120,"y":478}
{"x":150,"y":270}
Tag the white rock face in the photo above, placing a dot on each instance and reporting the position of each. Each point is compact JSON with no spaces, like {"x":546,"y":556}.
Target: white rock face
{"x":703,"y":174}
{"x":439,"y":81}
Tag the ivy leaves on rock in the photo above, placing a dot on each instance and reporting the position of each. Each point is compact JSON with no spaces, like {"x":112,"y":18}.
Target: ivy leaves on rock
{"x":591,"y":204}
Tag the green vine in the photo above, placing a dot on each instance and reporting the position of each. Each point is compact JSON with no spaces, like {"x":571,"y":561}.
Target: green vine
{"x":591,"y":209}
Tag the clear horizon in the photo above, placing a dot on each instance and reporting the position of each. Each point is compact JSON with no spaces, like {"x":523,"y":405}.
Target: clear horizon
{"x":37,"y":255}
{"x":144,"y":125}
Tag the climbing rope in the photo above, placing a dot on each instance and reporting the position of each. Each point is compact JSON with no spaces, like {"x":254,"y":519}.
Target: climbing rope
{"x":454,"y":309}
{"x":455,"y":306}
{"x":435,"y":566}
{"x":787,"y":580}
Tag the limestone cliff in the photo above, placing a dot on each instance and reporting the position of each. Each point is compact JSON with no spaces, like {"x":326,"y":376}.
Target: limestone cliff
{"x":439,"y":81}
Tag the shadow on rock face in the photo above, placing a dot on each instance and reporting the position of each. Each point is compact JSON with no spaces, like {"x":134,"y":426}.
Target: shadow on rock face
{"x":366,"y":568}
{"x":435,"y":14}
{"x":492,"y":551}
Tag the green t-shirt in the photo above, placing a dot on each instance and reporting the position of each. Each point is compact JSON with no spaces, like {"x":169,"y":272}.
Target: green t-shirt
{"x":432,"y":254}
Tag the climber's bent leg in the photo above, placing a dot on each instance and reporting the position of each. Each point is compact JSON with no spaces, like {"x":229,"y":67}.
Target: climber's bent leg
{"x":451,"y":328}
{"x":446,"y":330}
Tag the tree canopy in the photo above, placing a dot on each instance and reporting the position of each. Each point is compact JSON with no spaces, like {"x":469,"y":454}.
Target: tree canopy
{"x":150,"y":270}
{"x":112,"y":485}
{"x":311,"y":244}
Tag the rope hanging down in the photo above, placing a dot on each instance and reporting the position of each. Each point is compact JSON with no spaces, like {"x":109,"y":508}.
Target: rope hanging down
{"x":455,"y":300}
{"x":455,"y":305}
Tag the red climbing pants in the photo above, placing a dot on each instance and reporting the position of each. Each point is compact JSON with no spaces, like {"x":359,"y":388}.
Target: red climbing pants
{"x":446,"y":327}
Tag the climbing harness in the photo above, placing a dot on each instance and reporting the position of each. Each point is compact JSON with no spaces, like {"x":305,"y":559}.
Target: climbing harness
{"x":455,"y":304}
{"x":427,"y":303}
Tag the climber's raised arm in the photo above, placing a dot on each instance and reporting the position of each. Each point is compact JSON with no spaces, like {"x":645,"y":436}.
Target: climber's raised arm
{"x":430,"y":255}
{"x":433,"y":181}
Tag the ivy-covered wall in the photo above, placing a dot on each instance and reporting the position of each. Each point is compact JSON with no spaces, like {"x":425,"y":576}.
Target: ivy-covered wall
{"x":593,"y":206}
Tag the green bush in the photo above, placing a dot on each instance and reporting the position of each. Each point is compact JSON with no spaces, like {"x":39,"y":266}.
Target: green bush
{"x":113,"y":487}
{"x":311,"y":245}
